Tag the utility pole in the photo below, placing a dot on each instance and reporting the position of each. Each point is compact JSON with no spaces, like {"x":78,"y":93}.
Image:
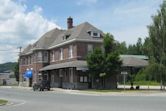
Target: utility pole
{"x":19,"y":50}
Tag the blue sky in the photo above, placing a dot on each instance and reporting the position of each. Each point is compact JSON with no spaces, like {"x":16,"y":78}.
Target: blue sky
{"x":24,"y":21}
{"x":123,"y":18}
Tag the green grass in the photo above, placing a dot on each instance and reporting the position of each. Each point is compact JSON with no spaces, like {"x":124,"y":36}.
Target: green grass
{"x":143,"y":83}
{"x":150,"y":83}
{"x":3,"y":102}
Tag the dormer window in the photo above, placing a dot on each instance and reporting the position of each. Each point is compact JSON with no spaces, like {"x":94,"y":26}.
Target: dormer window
{"x":66,"y":37}
{"x":94,"y":33}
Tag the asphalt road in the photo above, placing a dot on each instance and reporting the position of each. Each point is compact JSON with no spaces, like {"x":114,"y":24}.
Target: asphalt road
{"x":27,"y":100}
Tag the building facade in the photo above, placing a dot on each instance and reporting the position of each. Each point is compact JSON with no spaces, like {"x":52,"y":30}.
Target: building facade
{"x":60,"y":56}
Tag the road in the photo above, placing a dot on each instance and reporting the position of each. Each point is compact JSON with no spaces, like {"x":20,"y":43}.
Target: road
{"x":27,"y":100}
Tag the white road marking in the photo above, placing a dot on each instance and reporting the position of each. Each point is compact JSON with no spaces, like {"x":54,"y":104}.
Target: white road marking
{"x":19,"y":104}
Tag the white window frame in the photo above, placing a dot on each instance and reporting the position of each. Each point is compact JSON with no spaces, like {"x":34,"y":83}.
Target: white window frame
{"x":92,"y":34}
{"x":83,"y":79}
{"x":61,"y":53}
{"x":71,"y":51}
{"x":39,"y":56}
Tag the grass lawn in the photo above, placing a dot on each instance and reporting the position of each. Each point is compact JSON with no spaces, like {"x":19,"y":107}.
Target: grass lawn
{"x":3,"y":102}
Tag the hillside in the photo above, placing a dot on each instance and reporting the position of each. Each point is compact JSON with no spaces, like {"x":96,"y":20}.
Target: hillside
{"x":7,"y":66}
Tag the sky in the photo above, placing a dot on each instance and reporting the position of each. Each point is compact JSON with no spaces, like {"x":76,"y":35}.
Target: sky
{"x":22,"y":22}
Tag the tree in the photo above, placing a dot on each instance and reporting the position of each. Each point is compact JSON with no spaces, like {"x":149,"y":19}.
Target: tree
{"x":109,"y":44}
{"x":95,"y":62}
{"x":122,"y":48}
{"x":16,"y":72}
{"x":157,"y":35}
{"x":139,"y":46}
{"x":105,"y":63}
{"x":136,"y":49}
{"x":146,"y":48}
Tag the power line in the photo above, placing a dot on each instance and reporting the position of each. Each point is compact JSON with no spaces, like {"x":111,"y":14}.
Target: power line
{"x":5,"y":50}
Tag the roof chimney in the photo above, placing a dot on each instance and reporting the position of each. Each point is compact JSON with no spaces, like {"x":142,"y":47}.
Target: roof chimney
{"x":69,"y":23}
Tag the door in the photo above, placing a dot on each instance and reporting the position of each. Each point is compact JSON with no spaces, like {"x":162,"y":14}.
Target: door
{"x":60,"y":78}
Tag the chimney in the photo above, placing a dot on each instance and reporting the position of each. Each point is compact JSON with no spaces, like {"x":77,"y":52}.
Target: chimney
{"x":69,"y":23}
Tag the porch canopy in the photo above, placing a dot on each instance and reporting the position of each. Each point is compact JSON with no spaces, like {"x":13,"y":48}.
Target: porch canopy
{"x":80,"y":65}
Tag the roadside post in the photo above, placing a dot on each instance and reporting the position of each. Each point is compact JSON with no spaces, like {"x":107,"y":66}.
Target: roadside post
{"x":124,"y":73}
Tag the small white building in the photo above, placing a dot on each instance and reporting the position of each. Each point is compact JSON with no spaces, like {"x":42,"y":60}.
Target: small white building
{"x":8,"y":77}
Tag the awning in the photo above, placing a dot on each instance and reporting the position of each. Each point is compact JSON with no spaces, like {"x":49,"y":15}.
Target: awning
{"x":77,"y":64}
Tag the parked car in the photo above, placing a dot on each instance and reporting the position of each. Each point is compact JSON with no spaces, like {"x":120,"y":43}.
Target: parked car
{"x":41,"y":86}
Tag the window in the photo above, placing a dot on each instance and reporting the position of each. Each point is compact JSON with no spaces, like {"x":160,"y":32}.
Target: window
{"x":26,"y":61}
{"x":90,"y":48}
{"x":39,"y":56}
{"x":70,"y":51}
{"x":61,"y":54}
{"x":83,"y":79}
{"x":30,"y":62}
{"x":65,"y":37}
{"x":94,"y":33}
{"x":31,"y":59}
{"x":46,"y":56}
{"x":52,"y":56}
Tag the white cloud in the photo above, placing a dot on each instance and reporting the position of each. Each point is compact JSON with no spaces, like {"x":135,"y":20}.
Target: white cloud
{"x":18,"y":27}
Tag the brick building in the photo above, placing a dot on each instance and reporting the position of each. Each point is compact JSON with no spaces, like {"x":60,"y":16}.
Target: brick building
{"x":60,"y":56}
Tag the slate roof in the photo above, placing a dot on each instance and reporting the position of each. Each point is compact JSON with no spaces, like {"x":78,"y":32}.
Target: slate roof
{"x":27,"y":50}
{"x":136,"y":56}
{"x":47,"y":39}
{"x":134,"y":60}
{"x":57,"y":36}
